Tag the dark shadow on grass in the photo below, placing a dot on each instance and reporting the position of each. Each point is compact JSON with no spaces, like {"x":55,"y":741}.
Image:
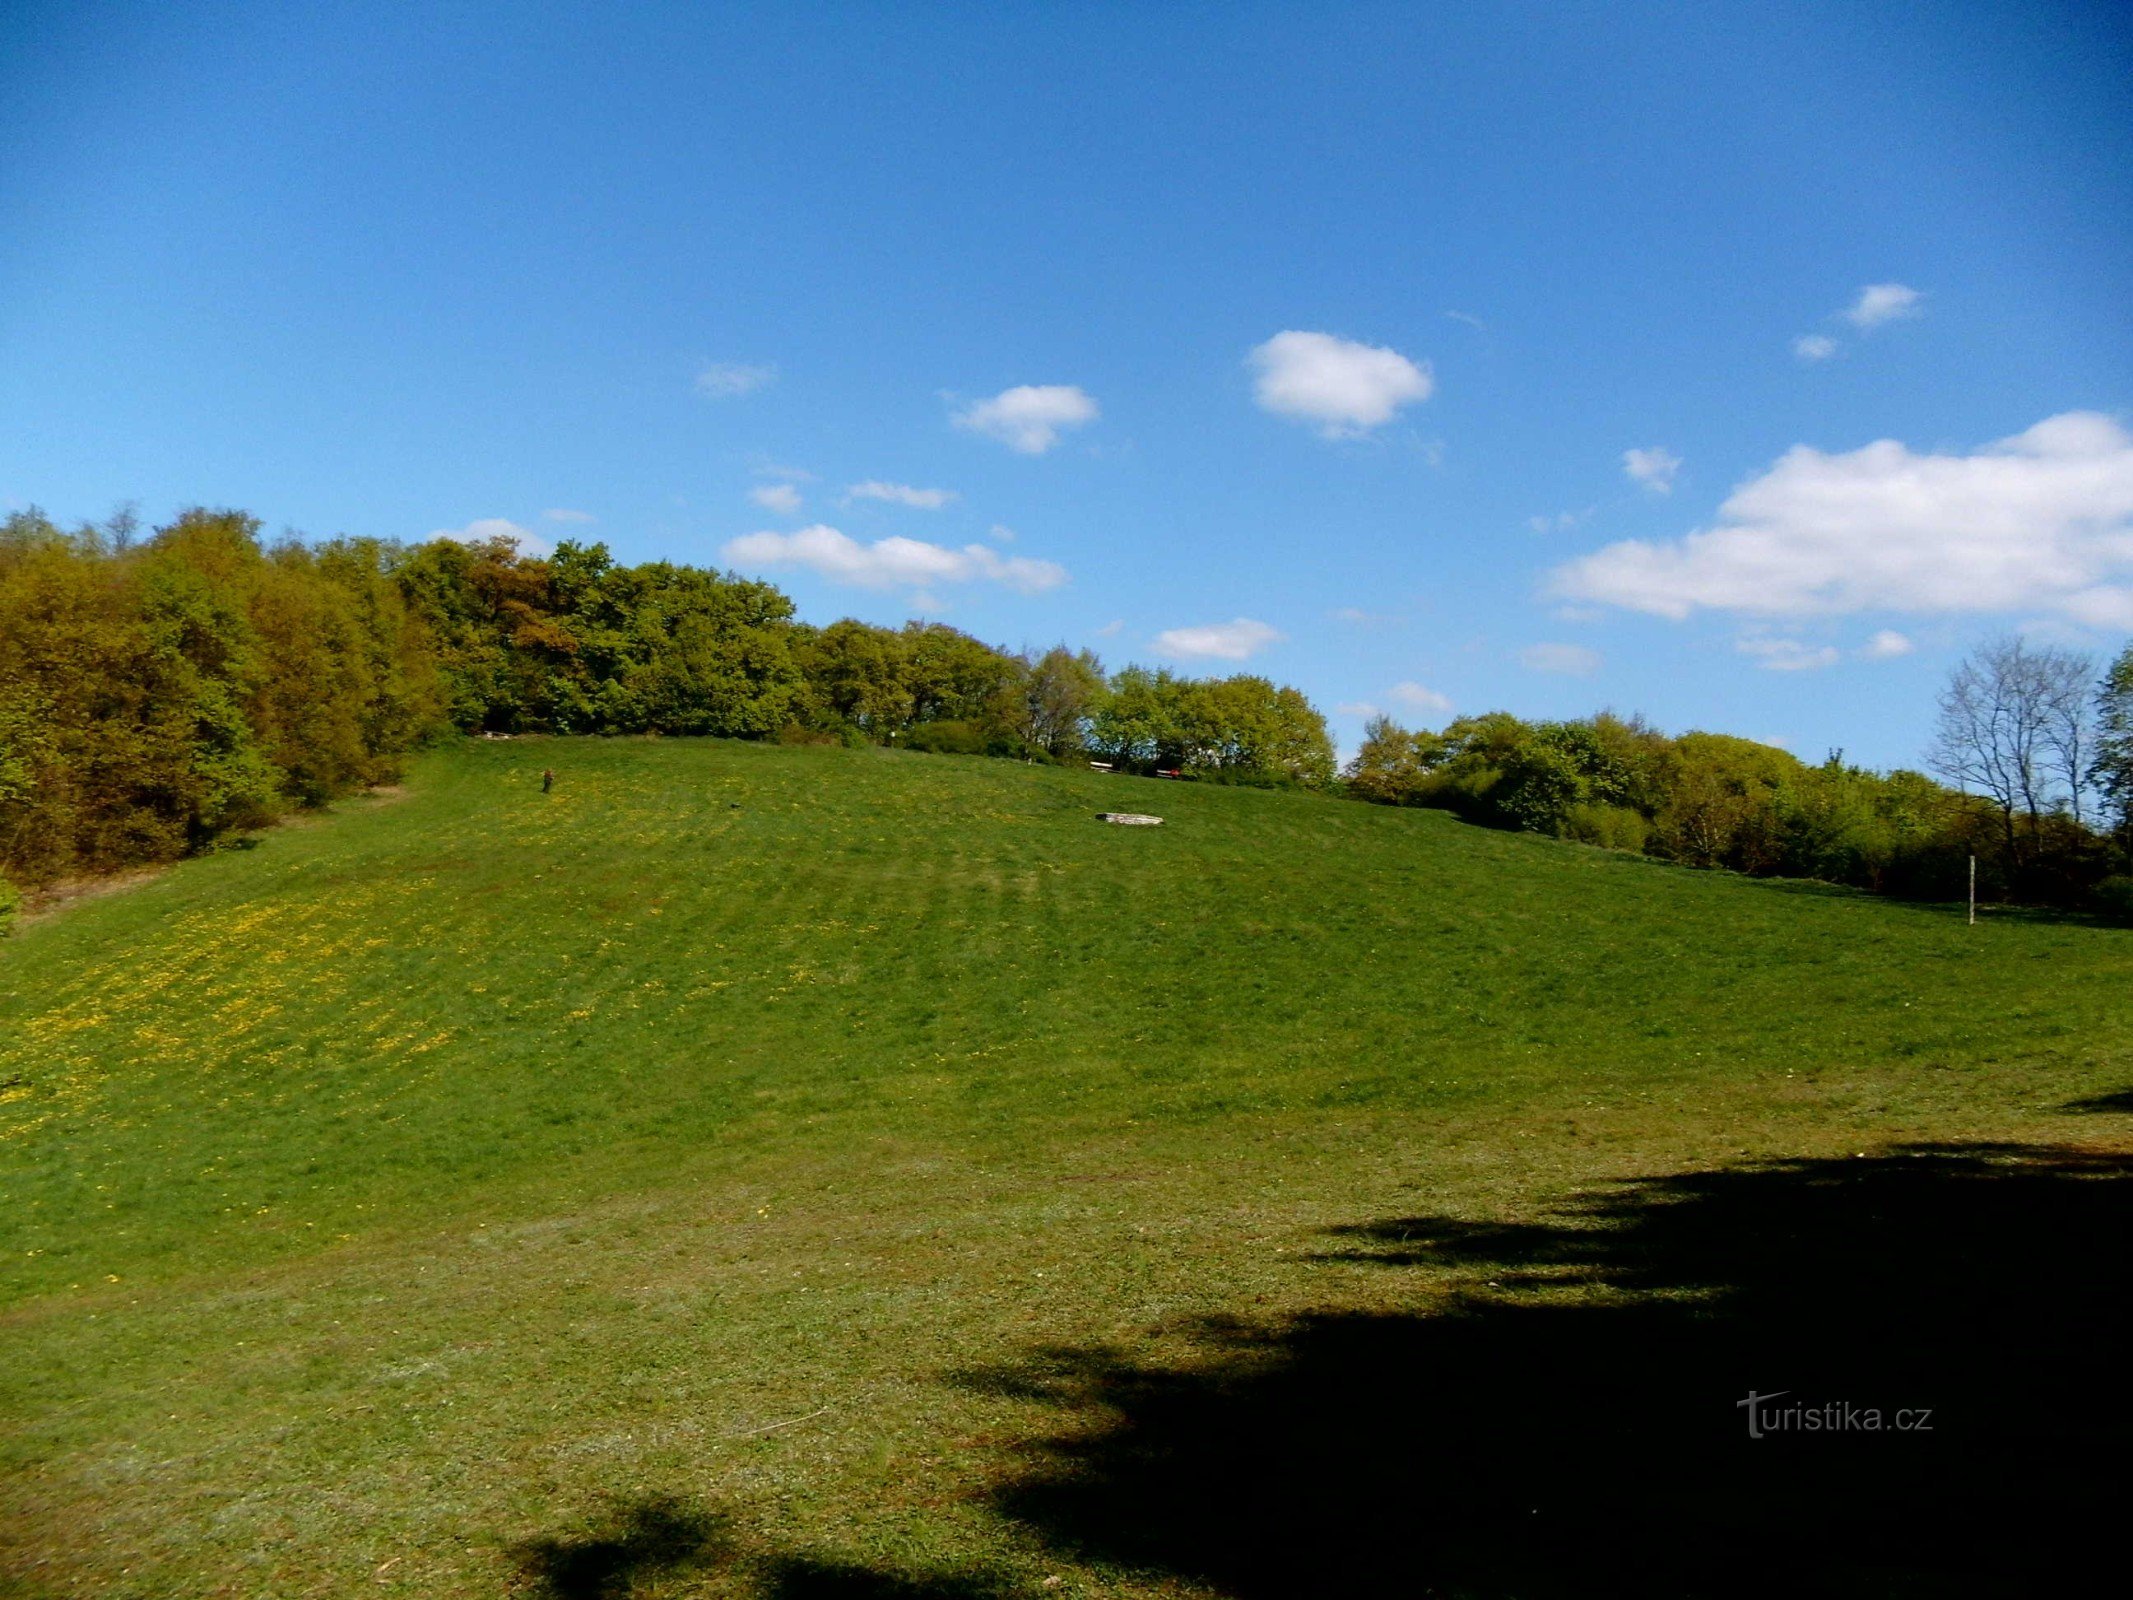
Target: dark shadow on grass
{"x":803,"y":1578}
{"x":1568,"y":1420}
{"x":645,"y":1540}
{"x":653,"y":1537}
{"x":2121,"y":1101}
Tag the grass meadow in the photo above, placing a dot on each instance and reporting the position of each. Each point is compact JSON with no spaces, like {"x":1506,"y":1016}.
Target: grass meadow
{"x":809,"y":1172}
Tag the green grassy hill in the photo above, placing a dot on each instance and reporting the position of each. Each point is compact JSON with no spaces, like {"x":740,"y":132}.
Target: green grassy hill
{"x":752,"y":1170}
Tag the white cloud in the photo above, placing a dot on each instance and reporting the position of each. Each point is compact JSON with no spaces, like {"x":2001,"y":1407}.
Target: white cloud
{"x":1886,"y":645}
{"x":482,"y":529}
{"x":782,"y":498}
{"x":1029,"y":417}
{"x":1882,"y":302}
{"x":891,"y":563}
{"x":901,"y":494}
{"x":1788,"y":655}
{"x":2041,"y":521}
{"x":1356,"y":708}
{"x":1112,"y":629}
{"x":1469,"y":319}
{"x":1420,"y":697}
{"x":1814,"y":347}
{"x":1571,"y":660}
{"x":565,"y":514}
{"x":728,"y":380}
{"x":1237,"y":640}
{"x":1000,"y":533}
{"x":1654,"y":468}
{"x":1344,"y":387}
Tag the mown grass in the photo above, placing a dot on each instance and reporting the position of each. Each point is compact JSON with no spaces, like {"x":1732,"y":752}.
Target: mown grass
{"x":648,"y":1187}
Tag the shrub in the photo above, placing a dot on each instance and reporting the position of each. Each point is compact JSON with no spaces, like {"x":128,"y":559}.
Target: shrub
{"x":2114,"y":897}
{"x":10,"y":903}
{"x":947,"y":739}
{"x":1614,"y":827}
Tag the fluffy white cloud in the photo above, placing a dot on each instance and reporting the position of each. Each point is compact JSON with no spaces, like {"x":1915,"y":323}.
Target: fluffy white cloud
{"x":482,"y":529}
{"x":1344,"y":387}
{"x":1029,"y":417}
{"x":1571,"y":660}
{"x":2041,"y":521}
{"x":891,"y":563}
{"x":1420,"y":697}
{"x":1814,"y":347}
{"x":1236,"y":640}
{"x":1654,"y":468}
{"x":728,"y":380}
{"x":1001,"y":533}
{"x":901,"y":494}
{"x":782,"y":498}
{"x":1886,"y":645}
{"x":1882,"y":302}
{"x":565,"y":514}
{"x":1788,"y":655}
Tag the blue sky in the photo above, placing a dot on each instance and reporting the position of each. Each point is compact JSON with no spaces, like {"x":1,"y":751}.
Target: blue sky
{"x":1319,"y":336}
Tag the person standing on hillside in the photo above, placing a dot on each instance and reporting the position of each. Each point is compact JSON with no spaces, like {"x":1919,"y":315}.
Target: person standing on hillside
{"x":547,"y":779}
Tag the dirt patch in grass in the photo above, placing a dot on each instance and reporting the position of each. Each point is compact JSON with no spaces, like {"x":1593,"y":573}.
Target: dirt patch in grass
{"x":48,"y":900}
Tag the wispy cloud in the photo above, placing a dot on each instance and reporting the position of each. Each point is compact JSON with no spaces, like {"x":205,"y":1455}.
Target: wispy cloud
{"x":782,"y":498}
{"x":1883,"y":302}
{"x":902,"y":494}
{"x":565,"y":514}
{"x":1559,"y":522}
{"x":1788,"y":655}
{"x":1654,"y":468}
{"x":1344,"y":387}
{"x":1419,"y":697}
{"x":1029,"y":417}
{"x":728,"y":380}
{"x":1567,"y":660}
{"x":1886,"y":645}
{"x":1469,"y":319}
{"x":2042,"y":521}
{"x":1236,"y":640}
{"x":891,"y":563}
{"x":1876,"y":304}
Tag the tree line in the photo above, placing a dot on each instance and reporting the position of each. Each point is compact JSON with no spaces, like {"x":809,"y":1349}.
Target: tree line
{"x":2035,"y":747}
{"x":163,"y":691}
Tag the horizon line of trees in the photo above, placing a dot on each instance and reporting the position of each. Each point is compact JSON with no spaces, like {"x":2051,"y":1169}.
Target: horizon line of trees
{"x":160,"y":693}
{"x":2036,"y":746}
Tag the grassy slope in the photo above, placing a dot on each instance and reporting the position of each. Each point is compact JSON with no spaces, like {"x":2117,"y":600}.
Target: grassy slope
{"x":473,"y":1166}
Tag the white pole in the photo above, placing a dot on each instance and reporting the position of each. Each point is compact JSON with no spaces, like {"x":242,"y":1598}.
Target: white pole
{"x":1973,"y":891}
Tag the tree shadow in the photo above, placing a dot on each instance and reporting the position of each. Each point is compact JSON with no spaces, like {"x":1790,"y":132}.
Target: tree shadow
{"x":652,"y":1537}
{"x":2121,"y":1101}
{"x":806,"y":1578}
{"x":661,"y":1537}
{"x":1569,"y":1420}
